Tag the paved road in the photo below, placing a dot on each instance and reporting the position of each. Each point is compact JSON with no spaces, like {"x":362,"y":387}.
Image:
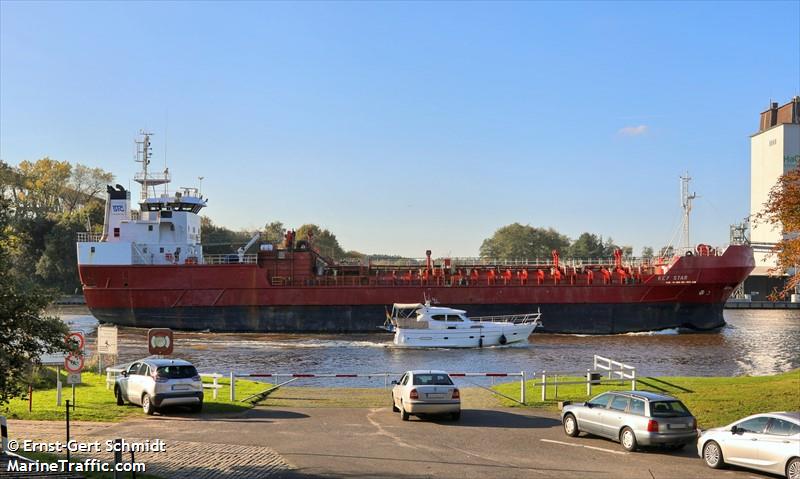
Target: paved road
{"x":360,"y":442}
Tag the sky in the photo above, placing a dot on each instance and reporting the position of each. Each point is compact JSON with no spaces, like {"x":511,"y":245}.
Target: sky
{"x":410,"y":126}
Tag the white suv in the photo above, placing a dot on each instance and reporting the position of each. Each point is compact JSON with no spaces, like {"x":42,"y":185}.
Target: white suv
{"x":154,"y":383}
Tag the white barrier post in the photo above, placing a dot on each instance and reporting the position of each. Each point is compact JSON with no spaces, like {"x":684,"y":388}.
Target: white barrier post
{"x":108,"y":378}
{"x":4,"y":433}
{"x":544,"y":386}
{"x":633,"y":379}
{"x":216,"y":385}
{"x":588,"y":382}
{"x":522,"y":387}
{"x":233,"y":386}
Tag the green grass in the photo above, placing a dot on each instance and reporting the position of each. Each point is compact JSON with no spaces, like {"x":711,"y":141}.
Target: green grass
{"x":46,"y":457}
{"x":715,"y":401}
{"x":93,"y":402}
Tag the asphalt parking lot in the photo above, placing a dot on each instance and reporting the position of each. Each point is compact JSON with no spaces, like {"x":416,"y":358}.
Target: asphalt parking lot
{"x":370,"y":442}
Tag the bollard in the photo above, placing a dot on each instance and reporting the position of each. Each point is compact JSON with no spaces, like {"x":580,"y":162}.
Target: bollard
{"x":214,"y":394}
{"x":522,"y":387}
{"x":4,"y":434}
{"x":555,"y":383}
{"x":588,"y":382}
{"x":544,"y":386}
{"x":233,"y":386}
{"x":108,"y":379}
{"x":67,"y":429}
{"x":633,"y":380}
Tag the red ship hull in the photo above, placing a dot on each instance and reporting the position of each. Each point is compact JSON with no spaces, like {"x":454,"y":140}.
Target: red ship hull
{"x":247,"y":297}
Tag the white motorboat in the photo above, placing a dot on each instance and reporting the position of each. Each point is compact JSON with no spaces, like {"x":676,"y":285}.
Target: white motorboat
{"x":418,"y":325}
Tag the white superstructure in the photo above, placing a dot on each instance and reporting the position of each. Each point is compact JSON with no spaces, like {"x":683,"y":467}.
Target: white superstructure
{"x":165,"y":230}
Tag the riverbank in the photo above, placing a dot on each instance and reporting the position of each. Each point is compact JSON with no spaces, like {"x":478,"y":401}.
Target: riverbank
{"x":715,"y":401}
{"x":93,"y":402}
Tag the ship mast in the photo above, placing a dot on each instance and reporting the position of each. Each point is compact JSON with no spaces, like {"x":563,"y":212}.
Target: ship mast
{"x":143,"y":153}
{"x":686,"y":204}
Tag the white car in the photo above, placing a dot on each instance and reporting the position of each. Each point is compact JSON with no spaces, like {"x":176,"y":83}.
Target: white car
{"x":154,"y":383}
{"x":421,"y":393}
{"x":767,"y":442}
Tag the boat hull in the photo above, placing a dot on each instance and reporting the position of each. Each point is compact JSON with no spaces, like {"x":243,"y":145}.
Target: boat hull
{"x":244,"y":297}
{"x":493,"y":335}
{"x":596,"y":318}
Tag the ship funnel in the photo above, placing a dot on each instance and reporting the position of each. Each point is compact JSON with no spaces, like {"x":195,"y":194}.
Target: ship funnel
{"x":118,"y":209}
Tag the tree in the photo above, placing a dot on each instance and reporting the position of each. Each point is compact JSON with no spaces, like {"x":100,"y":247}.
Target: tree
{"x":322,"y":240}
{"x":666,"y":252}
{"x":627,"y":251}
{"x":58,"y":263}
{"x":516,"y":241}
{"x":41,"y":189}
{"x":273,"y":233}
{"x":782,"y":210}
{"x":85,"y":184}
{"x":647,"y":252}
{"x":587,"y":246}
{"x":219,"y":239}
{"x":27,"y":333}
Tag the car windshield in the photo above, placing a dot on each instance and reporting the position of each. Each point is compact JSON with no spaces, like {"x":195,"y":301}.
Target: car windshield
{"x":432,"y":380}
{"x":668,"y":409}
{"x":177,"y":372}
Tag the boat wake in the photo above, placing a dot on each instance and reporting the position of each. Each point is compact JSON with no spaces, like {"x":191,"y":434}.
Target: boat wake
{"x":288,"y":344}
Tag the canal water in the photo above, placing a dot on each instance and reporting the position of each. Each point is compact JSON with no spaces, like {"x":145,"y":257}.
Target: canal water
{"x":754,"y":342}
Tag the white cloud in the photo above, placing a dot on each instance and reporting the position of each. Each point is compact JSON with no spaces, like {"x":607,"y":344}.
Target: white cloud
{"x":633,"y":130}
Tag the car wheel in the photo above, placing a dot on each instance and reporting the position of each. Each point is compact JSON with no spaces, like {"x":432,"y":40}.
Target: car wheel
{"x":456,"y":416}
{"x":118,"y":395}
{"x":793,"y":468}
{"x":571,"y":425}
{"x":628,"y":439}
{"x":403,"y":413}
{"x":394,"y":406}
{"x":712,"y":455}
{"x":147,"y":405}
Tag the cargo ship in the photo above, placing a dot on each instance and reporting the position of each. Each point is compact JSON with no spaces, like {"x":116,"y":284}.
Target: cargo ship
{"x":147,"y":269}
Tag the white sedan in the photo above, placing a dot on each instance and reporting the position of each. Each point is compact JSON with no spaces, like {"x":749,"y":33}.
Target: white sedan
{"x":767,"y":442}
{"x":421,"y":393}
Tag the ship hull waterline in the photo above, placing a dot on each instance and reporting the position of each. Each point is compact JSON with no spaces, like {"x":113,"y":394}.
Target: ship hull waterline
{"x":556,"y":318}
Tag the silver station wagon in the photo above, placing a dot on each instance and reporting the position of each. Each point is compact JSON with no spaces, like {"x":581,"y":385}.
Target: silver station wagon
{"x":633,"y":418}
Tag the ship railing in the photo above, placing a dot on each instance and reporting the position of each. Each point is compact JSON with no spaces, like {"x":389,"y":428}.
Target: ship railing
{"x":232,"y":258}
{"x":87,"y":237}
{"x":509,"y":318}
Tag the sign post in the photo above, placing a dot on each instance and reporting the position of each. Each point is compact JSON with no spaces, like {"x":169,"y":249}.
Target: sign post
{"x":73,"y":362}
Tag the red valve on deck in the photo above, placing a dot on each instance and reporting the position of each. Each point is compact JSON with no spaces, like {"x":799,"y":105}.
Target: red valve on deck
{"x":555,"y":258}
{"x":523,"y":276}
{"x":474,"y":276}
{"x":539,"y":276}
{"x":589,"y":276}
{"x":606,"y":275}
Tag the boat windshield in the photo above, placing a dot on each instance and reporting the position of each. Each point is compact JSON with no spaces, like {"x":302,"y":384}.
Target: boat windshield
{"x":432,"y":380}
{"x":450,"y":318}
